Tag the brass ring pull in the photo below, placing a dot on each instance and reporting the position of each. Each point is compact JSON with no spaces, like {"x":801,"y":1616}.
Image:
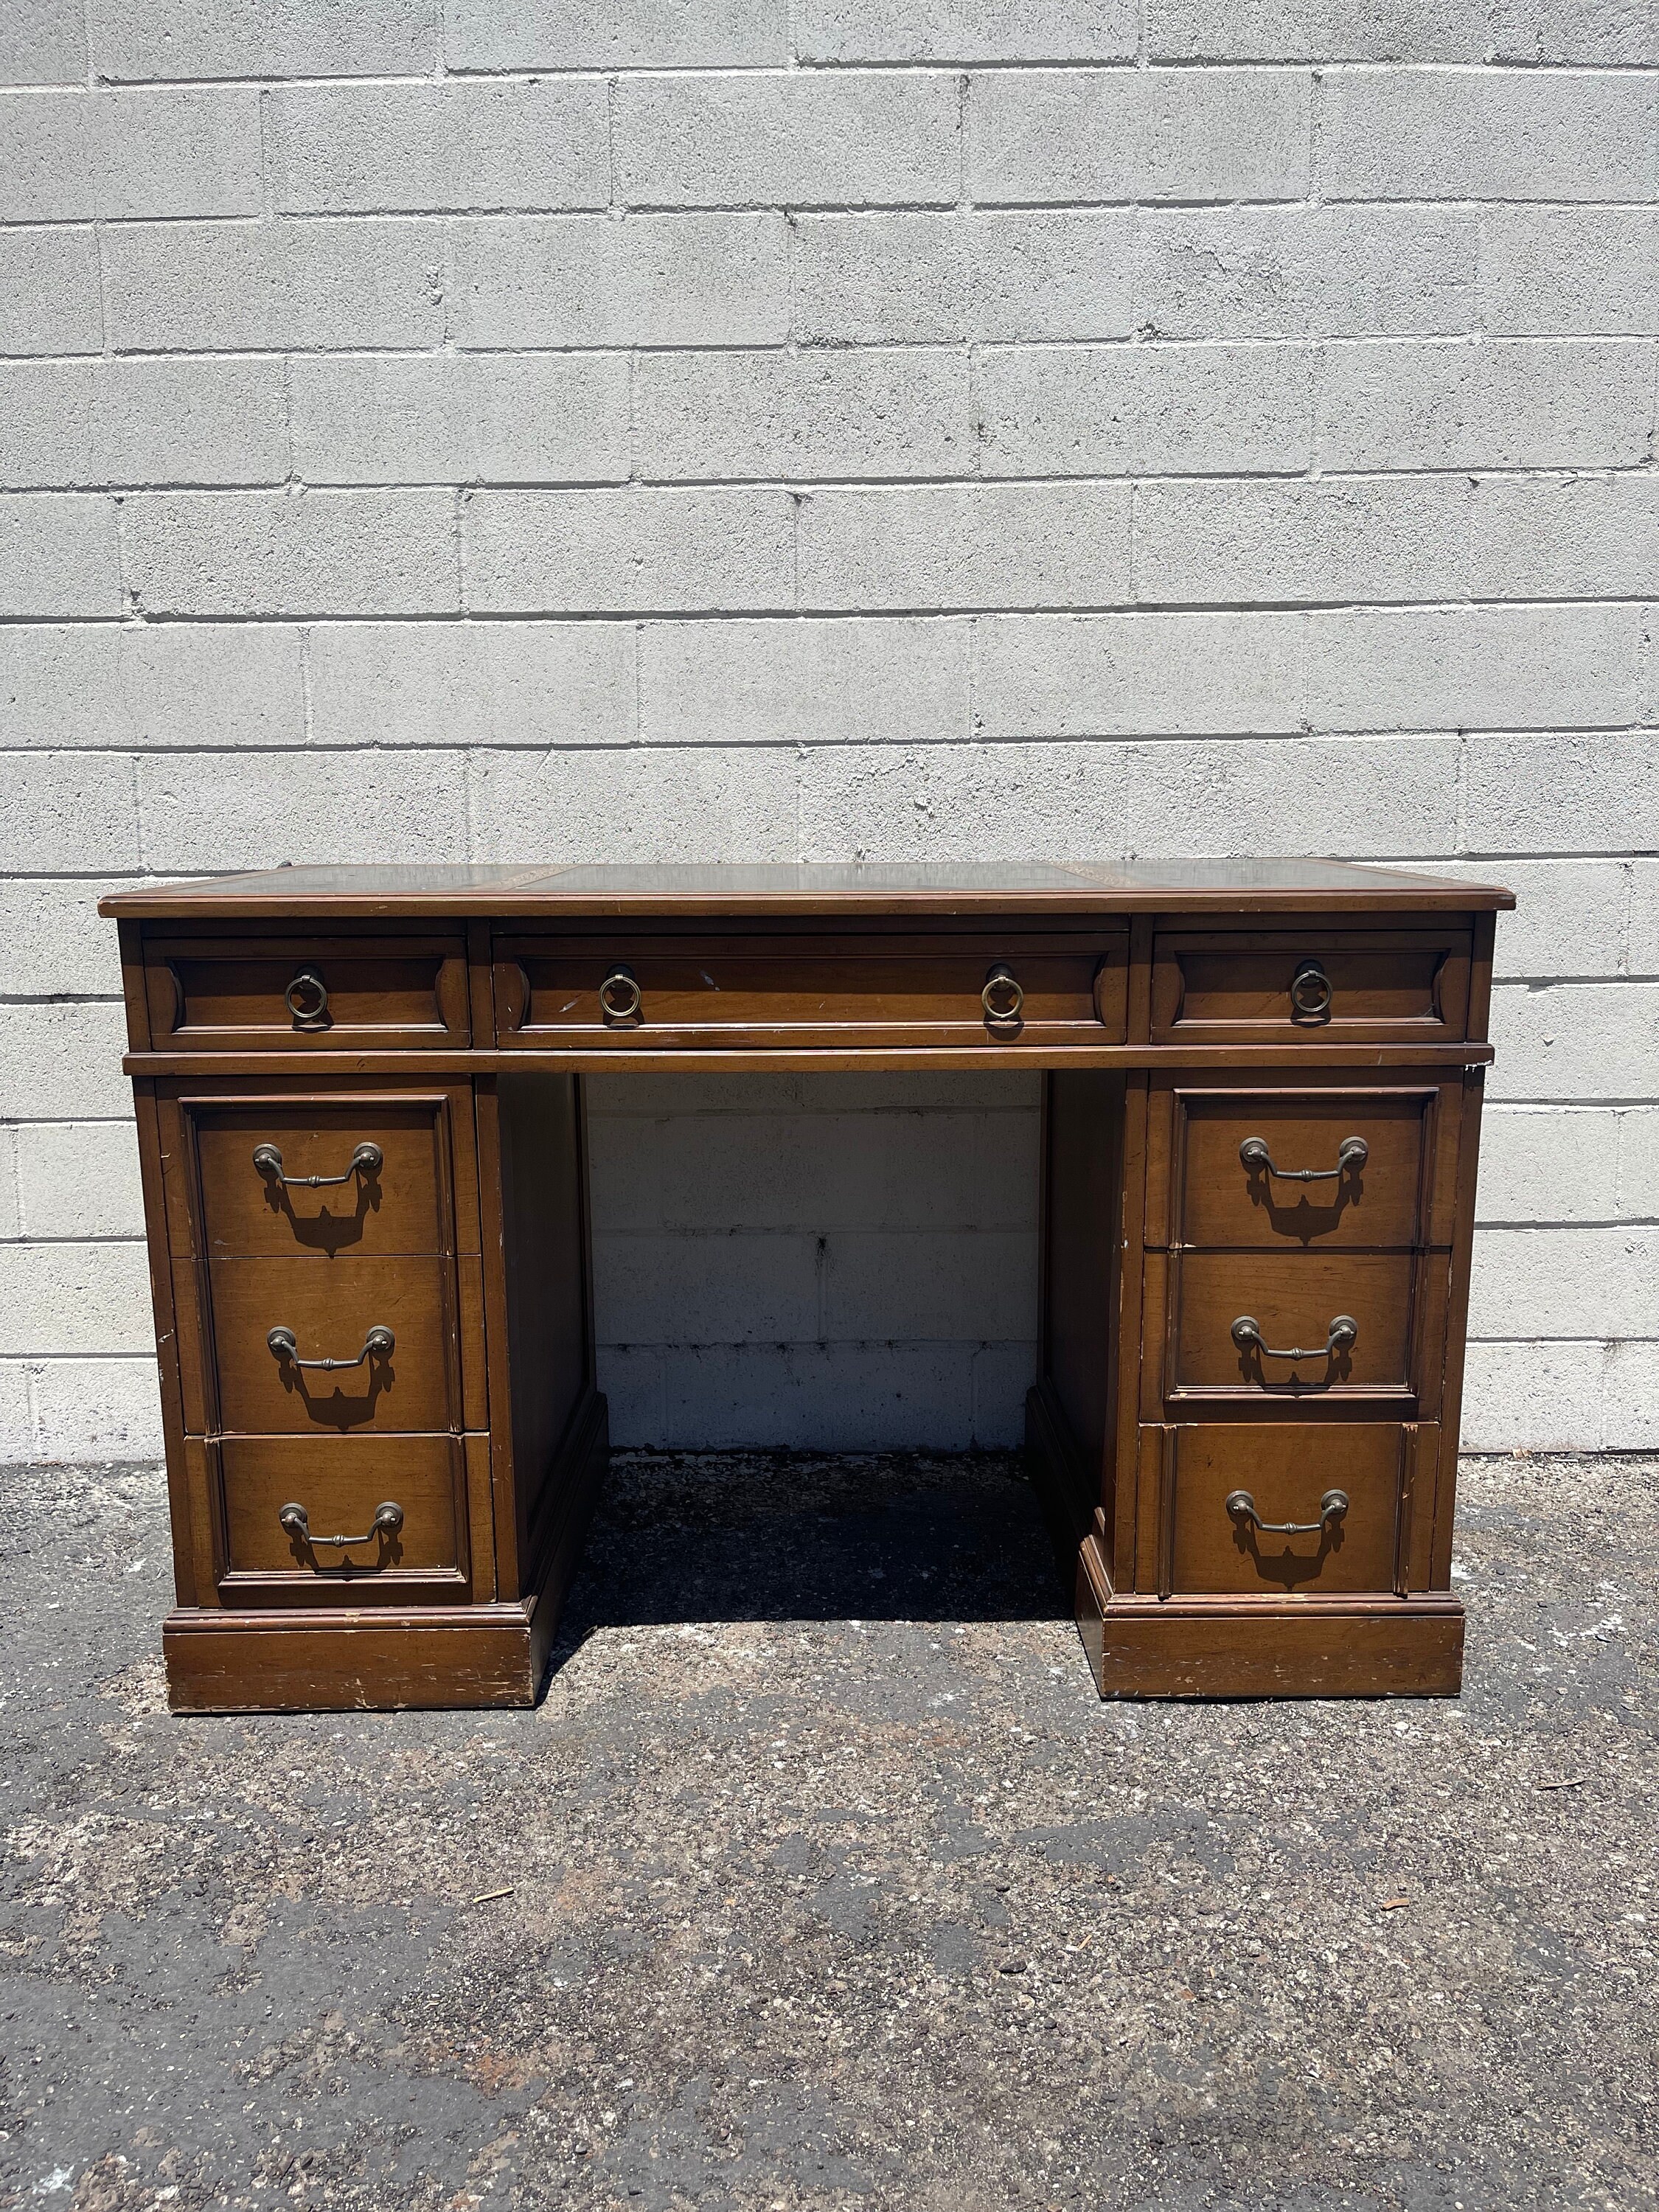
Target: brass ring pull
{"x":1311,"y":994}
{"x":1352,"y":1152}
{"x":306,"y":999}
{"x":367,"y":1159}
{"x":1247,"y":1335}
{"x":378,"y":1344}
{"x":388,"y":1520}
{"x":1332,"y":1508}
{"x":619,"y":995}
{"x":1002,"y":999}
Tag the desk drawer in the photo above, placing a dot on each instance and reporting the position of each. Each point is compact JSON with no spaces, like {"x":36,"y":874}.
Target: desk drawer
{"x":1354,"y":1322}
{"x":1310,"y":986}
{"x":1221,"y":1484}
{"x":346,"y":1314}
{"x":655,"y":993}
{"x":404,"y":1497}
{"x":314,"y":993}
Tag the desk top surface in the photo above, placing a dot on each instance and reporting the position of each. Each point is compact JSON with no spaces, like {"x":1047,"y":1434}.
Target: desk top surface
{"x":806,"y":889}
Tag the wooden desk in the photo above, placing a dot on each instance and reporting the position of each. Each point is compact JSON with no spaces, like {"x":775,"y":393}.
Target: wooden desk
{"x":360,"y":1114}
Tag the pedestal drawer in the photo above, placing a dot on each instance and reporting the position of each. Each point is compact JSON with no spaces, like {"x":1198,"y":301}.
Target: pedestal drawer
{"x":288,"y":1501}
{"x":1268,"y":1328}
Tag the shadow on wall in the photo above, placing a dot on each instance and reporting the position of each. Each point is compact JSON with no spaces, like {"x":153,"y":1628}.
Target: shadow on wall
{"x":688,"y":1537}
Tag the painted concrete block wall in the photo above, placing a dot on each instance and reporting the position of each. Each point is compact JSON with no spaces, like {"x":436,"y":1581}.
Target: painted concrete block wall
{"x":444,"y":429}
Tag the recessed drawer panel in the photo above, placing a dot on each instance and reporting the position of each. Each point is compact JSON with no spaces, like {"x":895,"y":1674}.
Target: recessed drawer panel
{"x":268,"y":994}
{"x":1296,"y":1170}
{"x":1271,"y":1511}
{"x":333,"y":1179}
{"x":401,"y":1501}
{"x":368,"y":1345}
{"x":1272,"y":1327}
{"x":1310,"y":986}
{"x":654,"y":994}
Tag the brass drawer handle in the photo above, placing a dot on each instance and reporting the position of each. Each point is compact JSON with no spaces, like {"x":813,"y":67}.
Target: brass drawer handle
{"x":367,"y":1159}
{"x":306,"y":999}
{"x":1311,"y":994}
{"x":378,"y":1344}
{"x":1247,"y":1335}
{"x":1352,"y":1152}
{"x":619,"y":995}
{"x":1002,"y":999}
{"x":1332,"y":1508}
{"x":388,"y":1520}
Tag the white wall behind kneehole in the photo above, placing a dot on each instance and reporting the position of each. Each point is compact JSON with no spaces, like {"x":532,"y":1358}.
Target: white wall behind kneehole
{"x":813,"y":430}
{"x":845,"y":1262}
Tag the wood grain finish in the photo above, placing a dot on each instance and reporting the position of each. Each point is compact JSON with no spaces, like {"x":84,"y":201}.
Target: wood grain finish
{"x":463,"y":1009}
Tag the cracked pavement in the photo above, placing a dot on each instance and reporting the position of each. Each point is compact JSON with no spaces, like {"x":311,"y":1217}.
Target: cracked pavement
{"x":832,"y":1884}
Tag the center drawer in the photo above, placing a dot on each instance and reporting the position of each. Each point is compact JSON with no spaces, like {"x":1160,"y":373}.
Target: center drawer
{"x":619,"y":991}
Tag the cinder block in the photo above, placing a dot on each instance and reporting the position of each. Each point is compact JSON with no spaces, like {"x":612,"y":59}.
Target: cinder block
{"x":961,"y":30}
{"x":1575,"y":792}
{"x":1003,"y":1373}
{"x":1050,"y":273}
{"x":1571,"y":271}
{"x":966,"y":545}
{"x":49,"y":295}
{"x":803,"y":681}
{"x":59,"y":555}
{"x":1549,"y":1165}
{"x":1483,"y":668}
{"x":74,"y":1298}
{"x":1564,"y":538}
{"x":998,"y":1093}
{"x":1131,"y":675}
{"x":134,"y":686}
{"x":634,"y":549}
{"x":1144,"y":409}
{"x":931,"y":1285}
{"x":79,"y":1179}
{"x":1643,"y":955}
{"x":1316,"y":30}
{"x":1638,"y":1164}
{"x":1574,"y":1041}
{"x":62,"y":1062}
{"x":263,"y":38}
{"x":286,"y":553}
{"x":1388,"y":538}
{"x":66,"y":812}
{"x":16,"y":1414}
{"x":1629,"y":1419}
{"x":1412,"y":134}
{"x":89,"y":423}
{"x":1533,"y":1397}
{"x":1570,"y":920}
{"x":352,"y":149}
{"x":472,"y":683}
{"x":1304,"y":271}
{"x":10,"y":1196}
{"x":1574,"y":31}
{"x":96,"y":1409}
{"x":801,"y":139}
{"x":1138,"y":135}
{"x":56,"y":945}
{"x":865,"y":411}
{"x":962,"y":802}
{"x":597,"y":34}
{"x":726,"y":1288}
{"x":215,"y":811}
{"x":652,"y":280}
{"x":1501,"y":405}
{"x":45,"y":169}
{"x":194,"y":152}
{"x":235,"y":287}
{"x":835,"y":1397}
{"x":461,"y":419}
{"x":1352,"y":797}
{"x":693,"y":803}
{"x":630,"y":1376}
{"x":43,"y":42}
{"x":1538,"y":1283}
{"x":662,"y":1096}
